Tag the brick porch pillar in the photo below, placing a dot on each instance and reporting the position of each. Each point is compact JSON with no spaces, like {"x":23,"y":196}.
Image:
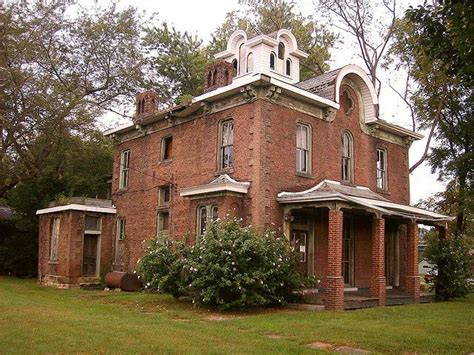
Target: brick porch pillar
{"x":412,"y":281}
{"x":334,"y":293}
{"x":377,"y":278}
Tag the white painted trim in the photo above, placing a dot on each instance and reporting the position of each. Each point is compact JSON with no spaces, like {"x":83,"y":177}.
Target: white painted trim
{"x":120,"y":128}
{"x":392,"y":128}
{"x":241,"y":187}
{"x":76,"y":207}
{"x":355,"y":69}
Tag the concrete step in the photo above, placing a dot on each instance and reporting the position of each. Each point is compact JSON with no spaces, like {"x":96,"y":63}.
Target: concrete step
{"x":306,"y":307}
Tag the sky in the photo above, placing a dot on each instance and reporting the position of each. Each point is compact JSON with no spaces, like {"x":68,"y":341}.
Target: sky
{"x":204,"y":16}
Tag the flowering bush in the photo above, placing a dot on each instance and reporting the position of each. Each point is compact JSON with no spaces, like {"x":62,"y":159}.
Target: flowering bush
{"x":161,"y":268}
{"x":229,"y":267}
{"x":236,"y":267}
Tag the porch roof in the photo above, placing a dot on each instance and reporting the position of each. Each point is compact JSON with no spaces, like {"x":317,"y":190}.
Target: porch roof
{"x":328,"y":190}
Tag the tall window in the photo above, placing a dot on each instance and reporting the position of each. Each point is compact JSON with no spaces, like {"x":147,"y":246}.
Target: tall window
{"x":235,"y":66}
{"x":303,"y":151}
{"x":241,"y":59}
{"x":54,"y":241}
{"x":347,"y":159}
{"x":281,"y":50}
{"x":166,"y":148}
{"x":121,"y":228}
{"x":163,"y":225}
{"x":226,"y":156}
{"x":382,"y":168}
{"x":164,"y":196}
{"x":288,"y":67}
{"x":124,"y":168}
{"x":272,"y":60}
{"x":205,"y":215}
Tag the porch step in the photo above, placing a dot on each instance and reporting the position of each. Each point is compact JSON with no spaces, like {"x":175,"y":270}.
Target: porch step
{"x":362,"y":303}
{"x":306,"y":307}
{"x":91,"y":286}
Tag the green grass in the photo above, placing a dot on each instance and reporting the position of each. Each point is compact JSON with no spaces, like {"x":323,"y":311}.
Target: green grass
{"x":35,"y":318}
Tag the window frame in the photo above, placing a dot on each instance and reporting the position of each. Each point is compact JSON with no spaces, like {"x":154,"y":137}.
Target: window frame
{"x":162,"y":194}
{"x":164,"y":141}
{"x":212,"y":214}
{"x":162,"y":233}
{"x":307,"y":151}
{"x":93,"y":231}
{"x":383,"y":171}
{"x":121,"y":228}
{"x":288,"y":67}
{"x":222,"y":147}
{"x":124,"y":169}
{"x":273,"y":59}
{"x":54,"y":236}
{"x":349,"y":158}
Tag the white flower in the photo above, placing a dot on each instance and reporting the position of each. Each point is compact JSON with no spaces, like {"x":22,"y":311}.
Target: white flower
{"x":148,"y":284}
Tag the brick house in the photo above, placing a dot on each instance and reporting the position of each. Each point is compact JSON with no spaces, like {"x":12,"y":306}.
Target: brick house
{"x":311,"y":157}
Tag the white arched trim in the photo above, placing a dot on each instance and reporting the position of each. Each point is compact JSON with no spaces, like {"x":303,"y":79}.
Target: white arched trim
{"x":365,"y":87}
{"x":289,"y":39}
{"x":235,"y":40}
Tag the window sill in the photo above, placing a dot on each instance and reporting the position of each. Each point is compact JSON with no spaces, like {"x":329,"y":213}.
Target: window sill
{"x":163,"y":208}
{"x":305,"y":175}
{"x":166,"y":161}
{"x":52,"y":262}
{"x":382,"y":191}
{"x":224,"y":171}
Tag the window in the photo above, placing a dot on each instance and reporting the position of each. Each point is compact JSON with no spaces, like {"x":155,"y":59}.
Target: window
{"x":124,"y":167}
{"x":121,"y":228}
{"x":303,"y":144}
{"x":241,"y":59}
{"x":288,"y":67}
{"x":92,"y":225}
{"x":166,"y":148}
{"x":272,"y":60}
{"x":382,"y":168}
{"x":164,"y":196}
{"x":214,"y":77}
{"x":205,"y":214}
{"x":235,"y":66}
{"x":209,"y":79}
{"x":54,"y":241}
{"x":249,"y":63}
{"x":281,"y":50}
{"x":347,"y":161}
{"x":226,"y":156}
{"x":163,"y":225}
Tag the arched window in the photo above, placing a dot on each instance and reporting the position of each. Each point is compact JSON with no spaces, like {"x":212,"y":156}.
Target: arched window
{"x":281,"y":50}
{"x":288,"y":67}
{"x":347,"y":164}
{"x":153,"y":104}
{"x":227,"y":77}
{"x":209,"y":78}
{"x":249,"y":62}
{"x":241,"y":59}
{"x":214,"y":77}
{"x":235,"y":65}
{"x":272,"y":60}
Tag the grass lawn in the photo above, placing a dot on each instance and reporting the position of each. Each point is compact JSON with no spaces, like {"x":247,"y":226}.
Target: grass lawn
{"x":35,"y":318}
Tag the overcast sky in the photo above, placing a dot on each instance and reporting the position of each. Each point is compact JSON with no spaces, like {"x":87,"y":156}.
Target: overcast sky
{"x":204,"y":16}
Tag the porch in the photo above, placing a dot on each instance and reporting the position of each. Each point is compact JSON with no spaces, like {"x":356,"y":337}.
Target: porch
{"x":363,"y":254}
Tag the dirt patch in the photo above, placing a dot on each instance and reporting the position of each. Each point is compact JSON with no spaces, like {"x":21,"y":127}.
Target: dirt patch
{"x":273,"y":336}
{"x":337,"y":349}
{"x":219,"y":318}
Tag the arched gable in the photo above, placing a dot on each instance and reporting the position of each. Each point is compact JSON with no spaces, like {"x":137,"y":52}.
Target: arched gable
{"x":365,"y":87}
{"x":235,"y":40}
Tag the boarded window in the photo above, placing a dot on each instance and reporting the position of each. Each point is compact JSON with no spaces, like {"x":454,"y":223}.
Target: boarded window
{"x":124,"y":169}
{"x":54,"y":241}
{"x":303,"y":148}
{"x":226,"y":144}
{"x":382,"y":168}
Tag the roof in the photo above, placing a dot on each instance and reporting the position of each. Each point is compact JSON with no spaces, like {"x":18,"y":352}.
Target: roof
{"x":328,"y":190}
{"x":220,"y":184}
{"x":322,"y":85}
{"x":76,"y":207}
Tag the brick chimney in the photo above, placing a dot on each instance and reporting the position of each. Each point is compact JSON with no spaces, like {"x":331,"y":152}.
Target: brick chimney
{"x":146,"y":104}
{"x":218,"y":74}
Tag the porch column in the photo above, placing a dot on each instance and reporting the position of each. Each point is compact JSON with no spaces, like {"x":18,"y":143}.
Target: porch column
{"x":412,"y":280}
{"x":334,"y":293}
{"x":377,"y":279}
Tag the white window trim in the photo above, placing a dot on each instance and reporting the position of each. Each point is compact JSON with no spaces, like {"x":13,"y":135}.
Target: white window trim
{"x":383,"y":171}
{"x":124,"y":169}
{"x":350,"y":157}
{"x":308,"y":150}
{"x":209,"y":209}
{"x":221,"y":146}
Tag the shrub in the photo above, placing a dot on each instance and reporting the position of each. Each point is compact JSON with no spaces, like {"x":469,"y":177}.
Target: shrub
{"x":452,"y":260}
{"x":235,"y":267}
{"x":161,"y":268}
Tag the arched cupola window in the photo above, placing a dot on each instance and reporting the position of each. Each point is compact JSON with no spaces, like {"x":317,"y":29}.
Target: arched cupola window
{"x":288,"y":67}
{"x":235,"y":65}
{"x":214,"y":77}
{"x":281,"y":50}
{"x":250,"y":62}
{"x":272,"y":60}
{"x":347,"y":163}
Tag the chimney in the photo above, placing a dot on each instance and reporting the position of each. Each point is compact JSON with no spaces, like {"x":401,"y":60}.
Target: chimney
{"x":218,"y":74}
{"x":146,"y":104}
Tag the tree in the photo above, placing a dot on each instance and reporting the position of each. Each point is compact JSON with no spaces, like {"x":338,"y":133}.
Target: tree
{"x":370,"y":23}
{"x":59,"y":74}
{"x":267,"y":16}
{"x":432,"y":45}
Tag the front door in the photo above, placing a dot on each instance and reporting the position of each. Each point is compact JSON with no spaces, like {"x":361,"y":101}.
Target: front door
{"x":348,"y":252}
{"x":89,"y":255}
{"x":299,"y":241}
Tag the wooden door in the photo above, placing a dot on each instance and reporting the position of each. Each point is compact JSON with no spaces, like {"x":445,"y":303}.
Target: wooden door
{"x":89,"y":255}
{"x":299,"y":241}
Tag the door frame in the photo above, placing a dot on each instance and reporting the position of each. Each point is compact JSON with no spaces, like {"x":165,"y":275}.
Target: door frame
{"x":97,"y":233}
{"x":348,"y":222}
